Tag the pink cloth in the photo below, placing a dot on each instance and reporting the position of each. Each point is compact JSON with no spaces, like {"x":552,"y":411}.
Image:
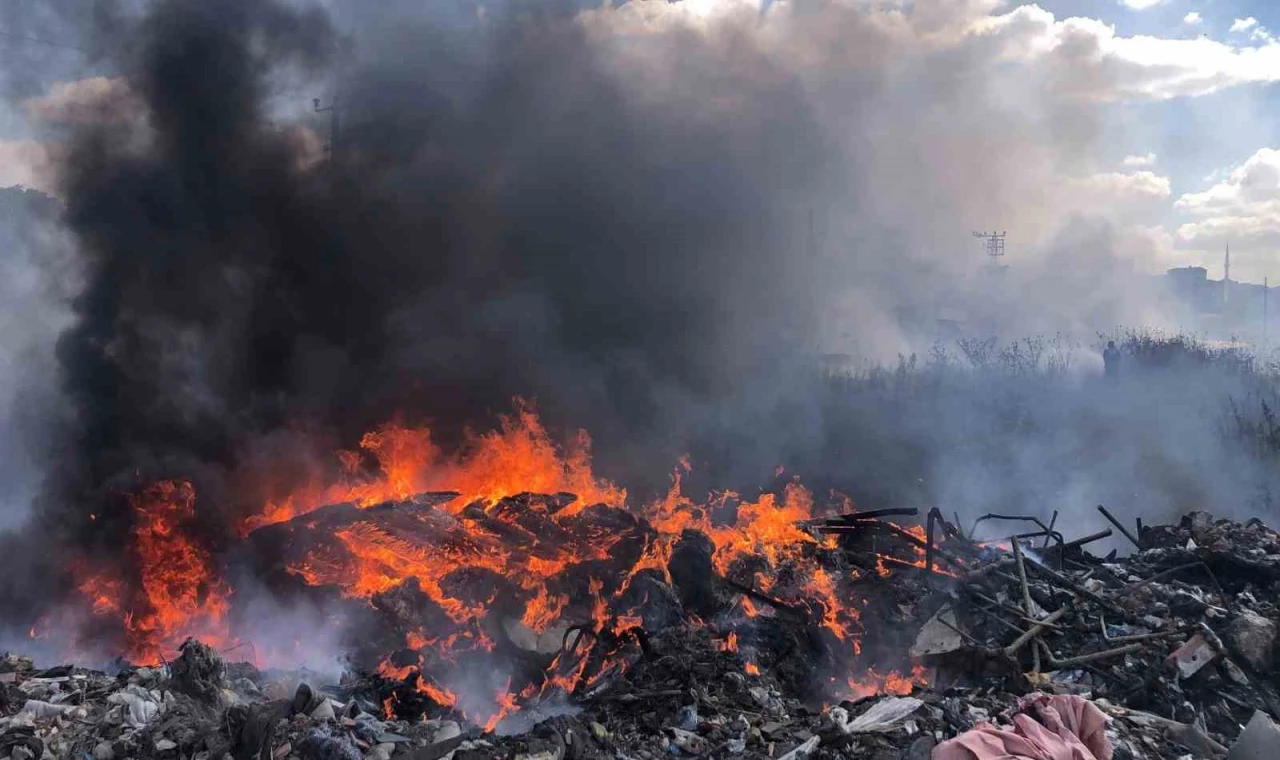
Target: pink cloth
{"x":1068,"y":728}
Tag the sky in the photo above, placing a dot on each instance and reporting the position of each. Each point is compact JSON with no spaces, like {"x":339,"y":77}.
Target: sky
{"x":1180,"y":100}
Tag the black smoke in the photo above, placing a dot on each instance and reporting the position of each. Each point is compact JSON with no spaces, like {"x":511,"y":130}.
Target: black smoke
{"x":506,"y":213}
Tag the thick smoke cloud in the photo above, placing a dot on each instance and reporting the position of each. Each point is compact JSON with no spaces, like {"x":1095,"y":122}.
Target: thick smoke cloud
{"x":645,"y":218}
{"x":507,"y":213}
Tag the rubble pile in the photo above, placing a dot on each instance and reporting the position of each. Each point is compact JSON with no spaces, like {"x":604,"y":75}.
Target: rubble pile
{"x":1023,"y":645}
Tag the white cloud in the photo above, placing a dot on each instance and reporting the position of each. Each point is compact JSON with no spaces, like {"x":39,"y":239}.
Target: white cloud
{"x":1192,"y":19}
{"x":1138,"y":162}
{"x":1242,"y":208}
{"x":1140,"y":5}
{"x":1076,"y":57}
{"x":1243,"y":24}
{"x":1085,"y":58}
{"x":1244,"y":190}
{"x":1117,"y":186}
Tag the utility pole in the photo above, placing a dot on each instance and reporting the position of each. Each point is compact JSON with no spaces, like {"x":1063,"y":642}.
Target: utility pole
{"x":995,"y":245}
{"x":335,"y":134}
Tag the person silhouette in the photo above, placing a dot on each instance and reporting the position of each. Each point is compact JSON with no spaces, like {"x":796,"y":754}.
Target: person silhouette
{"x":1111,"y":360}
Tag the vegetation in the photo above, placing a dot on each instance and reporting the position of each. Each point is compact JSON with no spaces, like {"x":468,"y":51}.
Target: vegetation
{"x":1033,"y":425}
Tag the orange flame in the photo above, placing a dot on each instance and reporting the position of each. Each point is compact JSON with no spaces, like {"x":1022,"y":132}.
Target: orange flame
{"x":518,"y":457}
{"x":178,"y":592}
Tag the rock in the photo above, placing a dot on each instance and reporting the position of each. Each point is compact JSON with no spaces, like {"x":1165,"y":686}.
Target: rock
{"x":444,"y":730}
{"x":1253,"y":637}
{"x":164,"y":745}
{"x":1233,"y":672}
{"x":104,"y":751}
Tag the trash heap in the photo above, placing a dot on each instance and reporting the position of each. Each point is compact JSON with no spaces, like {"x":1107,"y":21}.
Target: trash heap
{"x":1026,"y":646}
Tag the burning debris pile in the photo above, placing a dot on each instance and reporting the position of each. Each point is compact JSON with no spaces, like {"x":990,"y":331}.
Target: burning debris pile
{"x":622,"y":635}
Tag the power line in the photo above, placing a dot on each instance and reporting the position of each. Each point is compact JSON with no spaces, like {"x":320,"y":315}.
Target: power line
{"x":50,"y":43}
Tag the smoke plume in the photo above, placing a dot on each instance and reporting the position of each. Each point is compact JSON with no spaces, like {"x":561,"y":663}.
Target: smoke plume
{"x":646,"y":219}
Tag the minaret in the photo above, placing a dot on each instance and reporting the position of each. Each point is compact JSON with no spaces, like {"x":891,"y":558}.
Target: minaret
{"x":1226,"y":277}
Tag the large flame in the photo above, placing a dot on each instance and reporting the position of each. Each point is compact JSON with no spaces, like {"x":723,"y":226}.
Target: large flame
{"x":517,"y":457}
{"x":177,"y":591}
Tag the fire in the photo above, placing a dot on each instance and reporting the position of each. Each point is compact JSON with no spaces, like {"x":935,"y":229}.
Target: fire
{"x":517,"y":457}
{"x":506,"y":705}
{"x":543,"y":610}
{"x":178,"y":593}
{"x":873,"y":683}
{"x":442,"y":697}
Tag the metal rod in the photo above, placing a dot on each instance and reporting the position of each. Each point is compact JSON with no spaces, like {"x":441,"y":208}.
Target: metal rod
{"x":1088,"y":539}
{"x":1035,"y":631}
{"x":1026,"y":599}
{"x":1095,"y":656}
{"x":873,"y":514}
{"x":928,"y":542}
{"x":1064,"y":582}
{"x":1111,"y":518}
{"x":1052,"y":521}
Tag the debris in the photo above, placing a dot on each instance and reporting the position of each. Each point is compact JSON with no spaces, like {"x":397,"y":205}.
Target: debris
{"x":940,"y":635}
{"x":1189,"y":658}
{"x":884,"y":715}
{"x":1067,"y":727}
{"x":724,"y":659}
{"x":1253,"y":636}
{"x":1260,"y":739}
{"x":803,"y":750}
{"x":198,"y":672}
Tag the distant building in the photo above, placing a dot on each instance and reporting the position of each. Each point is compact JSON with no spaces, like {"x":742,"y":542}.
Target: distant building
{"x":1193,"y":288}
{"x":1223,"y":306}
